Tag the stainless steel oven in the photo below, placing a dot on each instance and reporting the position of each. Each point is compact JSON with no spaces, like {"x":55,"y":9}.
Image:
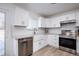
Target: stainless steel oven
{"x":67,"y":44}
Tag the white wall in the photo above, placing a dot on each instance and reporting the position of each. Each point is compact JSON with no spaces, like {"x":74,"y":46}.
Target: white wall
{"x":11,"y":32}
{"x":8,"y":9}
{"x":54,"y":31}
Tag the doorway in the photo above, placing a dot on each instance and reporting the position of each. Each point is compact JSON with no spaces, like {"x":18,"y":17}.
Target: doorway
{"x":2,"y":34}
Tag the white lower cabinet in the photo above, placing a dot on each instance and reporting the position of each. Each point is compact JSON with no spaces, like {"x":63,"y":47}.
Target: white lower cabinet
{"x":42,"y":43}
{"x":53,"y":40}
{"x":35,"y":46}
{"x":77,"y":45}
{"x":39,"y":42}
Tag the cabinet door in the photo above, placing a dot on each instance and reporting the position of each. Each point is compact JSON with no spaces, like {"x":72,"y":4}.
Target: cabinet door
{"x":69,"y":16}
{"x":43,"y":22}
{"x":57,"y":22}
{"x":54,"y":22}
{"x":39,"y":22}
{"x":48,"y":23}
{"x":77,"y":45}
{"x":35,"y":38}
{"x":36,"y":42}
{"x":44,"y":40}
{"x":35,"y":46}
{"x":54,"y":40}
{"x":77,"y":17}
{"x":49,"y":39}
{"x":42,"y":43}
{"x":21,"y":17}
{"x":38,"y":45}
{"x":39,"y":42}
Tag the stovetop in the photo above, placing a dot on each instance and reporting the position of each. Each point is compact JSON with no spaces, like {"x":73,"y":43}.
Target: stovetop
{"x":64,"y":36}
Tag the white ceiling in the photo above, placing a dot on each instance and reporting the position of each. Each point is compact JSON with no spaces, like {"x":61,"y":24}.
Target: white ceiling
{"x":48,"y":9}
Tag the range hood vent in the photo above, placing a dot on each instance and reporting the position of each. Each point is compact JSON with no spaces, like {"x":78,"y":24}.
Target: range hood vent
{"x":68,"y":22}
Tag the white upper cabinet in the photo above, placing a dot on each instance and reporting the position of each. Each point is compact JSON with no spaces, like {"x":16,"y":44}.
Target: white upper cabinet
{"x":55,"y":22}
{"x":33,"y":21}
{"x":39,"y":22}
{"x":68,"y":16}
{"x":21,"y":17}
{"x":49,"y":23}
{"x":77,"y":17}
{"x":44,"y":22}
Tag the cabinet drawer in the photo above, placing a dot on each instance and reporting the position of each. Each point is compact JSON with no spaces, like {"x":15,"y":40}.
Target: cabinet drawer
{"x":38,"y":37}
{"x":35,"y":46}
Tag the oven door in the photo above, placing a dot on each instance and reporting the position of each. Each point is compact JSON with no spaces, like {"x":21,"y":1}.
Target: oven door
{"x":25,"y":47}
{"x":67,"y":42}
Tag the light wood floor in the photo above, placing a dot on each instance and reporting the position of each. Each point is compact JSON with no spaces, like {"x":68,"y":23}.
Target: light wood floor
{"x":51,"y":51}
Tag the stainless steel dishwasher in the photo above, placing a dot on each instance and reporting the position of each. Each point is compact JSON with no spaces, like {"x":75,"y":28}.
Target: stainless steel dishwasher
{"x":25,"y":46}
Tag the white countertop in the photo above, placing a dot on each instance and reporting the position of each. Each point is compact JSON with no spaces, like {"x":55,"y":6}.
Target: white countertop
{"x":22,"y":36}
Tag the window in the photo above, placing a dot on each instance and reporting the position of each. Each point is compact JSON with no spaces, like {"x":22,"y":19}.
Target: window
{"x":2,"y":34}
